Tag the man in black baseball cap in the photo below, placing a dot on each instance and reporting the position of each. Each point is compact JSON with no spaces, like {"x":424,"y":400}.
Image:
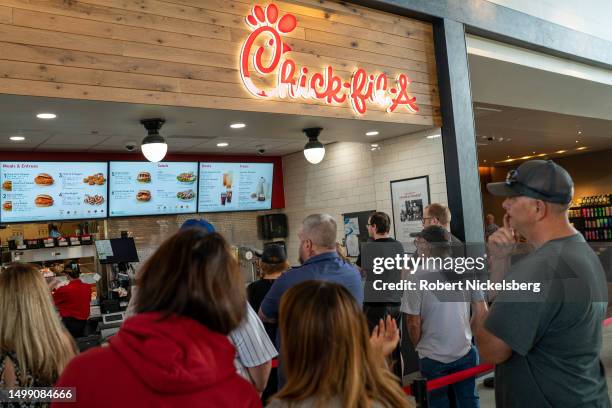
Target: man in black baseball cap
{"x":545,"y":343}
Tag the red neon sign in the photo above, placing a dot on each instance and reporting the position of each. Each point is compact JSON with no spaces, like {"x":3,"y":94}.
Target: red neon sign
{"x":295,"y":82}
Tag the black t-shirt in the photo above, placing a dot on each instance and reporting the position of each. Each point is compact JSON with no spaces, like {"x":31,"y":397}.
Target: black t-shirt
{"x":380,"y":248}
{"x":256,"y":292}
{"x":556,"y":334}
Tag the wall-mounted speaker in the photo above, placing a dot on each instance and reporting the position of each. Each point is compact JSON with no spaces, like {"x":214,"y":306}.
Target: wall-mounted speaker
{"x":272,"y":226}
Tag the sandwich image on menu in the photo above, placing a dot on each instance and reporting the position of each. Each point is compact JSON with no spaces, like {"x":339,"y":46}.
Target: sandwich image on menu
{"x":143,"y":195}
{"x":144,"y":177}
{"x":7,"y":206}
{"x":7,"y":185}
{"x":43,"y":200}
{"x":44,"y":179}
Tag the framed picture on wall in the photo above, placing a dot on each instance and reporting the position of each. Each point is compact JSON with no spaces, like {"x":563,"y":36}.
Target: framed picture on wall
{"x":409,"y":197}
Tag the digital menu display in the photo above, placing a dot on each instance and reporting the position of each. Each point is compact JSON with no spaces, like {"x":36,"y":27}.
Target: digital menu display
{"x":144,"y":188}
{"x":46,"y":191}
{"x":235,"y":186}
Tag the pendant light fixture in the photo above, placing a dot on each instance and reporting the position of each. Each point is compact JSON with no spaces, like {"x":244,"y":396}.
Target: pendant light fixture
{"x":153,"y":146}
{"x":314,"y":151}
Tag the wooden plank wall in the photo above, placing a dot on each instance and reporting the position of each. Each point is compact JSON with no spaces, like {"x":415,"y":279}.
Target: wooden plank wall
{"x":186,"y":52}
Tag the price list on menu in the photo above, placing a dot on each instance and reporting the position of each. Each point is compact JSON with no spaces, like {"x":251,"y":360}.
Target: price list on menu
{"x":143,"y":188}
{"x":46,"y":191}
{"x":235,"y":186}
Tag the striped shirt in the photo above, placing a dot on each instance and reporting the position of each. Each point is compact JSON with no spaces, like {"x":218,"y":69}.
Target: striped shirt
{"x":253,"y":346}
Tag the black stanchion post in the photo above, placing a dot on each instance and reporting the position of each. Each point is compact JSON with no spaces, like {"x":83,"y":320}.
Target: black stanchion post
{"x":419,"y":390}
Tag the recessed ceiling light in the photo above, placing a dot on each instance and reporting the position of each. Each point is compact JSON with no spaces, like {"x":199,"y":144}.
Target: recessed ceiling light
{"x":46,"y":116}
{"x":237,"y":125}
{"x":580,"y":132}
{"x":532,"y":152}
{"x":372,"y":133}
{"x":577,"y":141}
{"x":222,"y":144}
{"x":485,"y":161}
{"x":582,"y":148}
{"x":560,"y":151}
{"x":374,"y":145}
{"x":433,"y":136}
{"x":17,"y":138}
{"x":508,"y":156}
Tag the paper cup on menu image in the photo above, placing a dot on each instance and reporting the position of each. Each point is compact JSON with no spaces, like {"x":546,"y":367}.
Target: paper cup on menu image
{"x":259,"y":190}
{"x":228,"y":179}
{"x":266,"y":188}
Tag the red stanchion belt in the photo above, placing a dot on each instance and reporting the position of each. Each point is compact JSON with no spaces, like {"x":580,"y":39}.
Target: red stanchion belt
{"x":455,"y":377}
{"x":467,"y":373}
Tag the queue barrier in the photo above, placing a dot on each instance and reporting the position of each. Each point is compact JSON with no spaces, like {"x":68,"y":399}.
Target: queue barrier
{"x":420,"y":387}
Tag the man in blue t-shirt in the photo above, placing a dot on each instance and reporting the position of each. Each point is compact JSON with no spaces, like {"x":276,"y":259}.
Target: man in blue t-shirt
{"x":320,"y":261}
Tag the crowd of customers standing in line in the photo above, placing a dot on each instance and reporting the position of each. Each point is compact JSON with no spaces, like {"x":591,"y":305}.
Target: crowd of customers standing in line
{"x":198,"y":337}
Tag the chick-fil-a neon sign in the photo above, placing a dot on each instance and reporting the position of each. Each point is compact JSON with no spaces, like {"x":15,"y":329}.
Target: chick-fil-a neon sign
{"x":298,"y":82}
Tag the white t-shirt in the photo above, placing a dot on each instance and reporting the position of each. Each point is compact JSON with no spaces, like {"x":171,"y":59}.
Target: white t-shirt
{"x":446,"y":335}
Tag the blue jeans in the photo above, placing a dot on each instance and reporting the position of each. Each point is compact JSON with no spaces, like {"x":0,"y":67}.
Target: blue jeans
{"x":462,"y":394}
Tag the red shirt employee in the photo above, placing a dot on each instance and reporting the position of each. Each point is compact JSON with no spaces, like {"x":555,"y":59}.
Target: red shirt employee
{"x":73,"y":300}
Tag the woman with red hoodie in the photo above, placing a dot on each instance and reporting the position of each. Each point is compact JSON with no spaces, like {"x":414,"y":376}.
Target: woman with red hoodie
{"x":175,"y":351}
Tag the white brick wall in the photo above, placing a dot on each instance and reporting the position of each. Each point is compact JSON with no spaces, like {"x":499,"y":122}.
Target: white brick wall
{"x":353,"y":178}
{"x":239,"y":228}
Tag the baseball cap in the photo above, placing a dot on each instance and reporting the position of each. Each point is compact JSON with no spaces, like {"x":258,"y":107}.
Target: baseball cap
{"x":540,"y":179}
{"x":201,"y":223}
{"x":433,"y":233}
{"x":273,"y":254}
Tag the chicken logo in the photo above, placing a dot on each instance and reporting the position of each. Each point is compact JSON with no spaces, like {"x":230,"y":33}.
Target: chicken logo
{"x":268,"y":30}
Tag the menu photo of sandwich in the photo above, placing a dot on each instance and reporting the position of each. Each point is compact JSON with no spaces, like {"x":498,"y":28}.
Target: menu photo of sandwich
{"x":143,"y":195}
{"x":43,"y":200}
{"x":7,"y":185}
{"x":7,"y":206}
{"x":144,"y":177}
{"x":43,"y":179}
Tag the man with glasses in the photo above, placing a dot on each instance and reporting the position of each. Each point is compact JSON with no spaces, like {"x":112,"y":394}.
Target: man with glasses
{"x":439,"y":214}
{"x":546,"y":344}
{"x":378,"y":304}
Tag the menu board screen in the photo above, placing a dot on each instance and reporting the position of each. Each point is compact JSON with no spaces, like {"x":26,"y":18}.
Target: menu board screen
{"x":235,"y":186}
{"x":144,"y":188}
{"x":46,"y":191}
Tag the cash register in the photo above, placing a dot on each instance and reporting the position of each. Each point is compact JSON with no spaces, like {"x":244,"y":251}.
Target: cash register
{"x":118,"y":254}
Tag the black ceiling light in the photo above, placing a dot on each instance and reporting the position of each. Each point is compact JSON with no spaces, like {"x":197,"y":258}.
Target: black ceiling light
{"x":314,"y":151}
{"x":153,"y":146}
